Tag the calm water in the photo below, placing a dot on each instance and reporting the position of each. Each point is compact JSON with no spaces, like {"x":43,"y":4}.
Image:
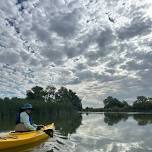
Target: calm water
{"x":109,"y":132}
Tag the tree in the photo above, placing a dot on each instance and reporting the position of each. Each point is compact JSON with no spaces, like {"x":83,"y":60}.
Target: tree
{"x":62,"y":94}
{"x":36,"y":92}
{"x":68,"y":96}
{"x":141,"y":99}
{"x":50,"y":93}
{"x":143,"y":103}
{"x":125,"y":104}
{"x":111,"y":102}
{"x":29,"y":94}
{"x":107,"y":101}
{"x":76,"y":101}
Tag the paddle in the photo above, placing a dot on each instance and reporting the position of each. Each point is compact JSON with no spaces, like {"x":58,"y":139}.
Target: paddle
{"x":47,"y":131}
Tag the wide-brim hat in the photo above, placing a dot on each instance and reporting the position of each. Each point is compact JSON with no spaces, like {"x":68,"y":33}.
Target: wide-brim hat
{"x":26,"y":106}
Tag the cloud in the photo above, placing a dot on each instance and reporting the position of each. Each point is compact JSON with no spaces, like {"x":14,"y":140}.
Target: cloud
{"x":139,"y":61}
{"x":8,"y":57}
{"x":66,"y":25}
{"x":53,"y":54}
{"x":139,"y":24}
{"x":105,"y":38}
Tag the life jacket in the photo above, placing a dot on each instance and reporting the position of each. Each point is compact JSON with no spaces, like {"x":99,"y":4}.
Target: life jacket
{"x":18,"y":119}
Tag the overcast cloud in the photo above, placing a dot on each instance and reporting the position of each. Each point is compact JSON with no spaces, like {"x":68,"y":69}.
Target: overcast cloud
{"x":96,"y":48}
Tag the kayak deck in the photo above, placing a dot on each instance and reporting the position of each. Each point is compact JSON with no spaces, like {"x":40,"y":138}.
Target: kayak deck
{"x":15,"y":139}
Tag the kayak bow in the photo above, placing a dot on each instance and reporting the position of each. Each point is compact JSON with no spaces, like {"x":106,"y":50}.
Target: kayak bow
{"x":15,"y":139}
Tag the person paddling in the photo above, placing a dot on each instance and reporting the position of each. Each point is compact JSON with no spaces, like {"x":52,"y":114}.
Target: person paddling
{"x":24,"y":119}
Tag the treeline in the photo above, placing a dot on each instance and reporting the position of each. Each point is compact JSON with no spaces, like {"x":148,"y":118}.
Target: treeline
{"x":44,"y":100}
{"x":141,"y":104}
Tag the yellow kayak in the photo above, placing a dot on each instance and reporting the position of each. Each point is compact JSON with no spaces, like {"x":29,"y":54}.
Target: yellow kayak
{"x":15,"y":139}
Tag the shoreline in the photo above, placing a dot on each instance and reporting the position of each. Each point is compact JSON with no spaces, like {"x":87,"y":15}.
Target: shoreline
{"x":115,"y":112}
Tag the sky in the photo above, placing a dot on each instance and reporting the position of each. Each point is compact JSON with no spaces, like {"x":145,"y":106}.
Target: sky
{"x":97,"y":48}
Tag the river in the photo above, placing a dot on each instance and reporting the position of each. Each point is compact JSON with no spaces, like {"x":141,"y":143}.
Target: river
{"x":98,"y":132}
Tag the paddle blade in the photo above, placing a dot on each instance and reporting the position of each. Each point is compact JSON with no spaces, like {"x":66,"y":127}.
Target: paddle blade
{"x":49,"y":132}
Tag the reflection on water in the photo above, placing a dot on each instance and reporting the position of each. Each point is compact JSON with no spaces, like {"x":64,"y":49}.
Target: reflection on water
{"x":143,"y":119}
{"x":104,"y":132}
{"x":114,"y":118}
